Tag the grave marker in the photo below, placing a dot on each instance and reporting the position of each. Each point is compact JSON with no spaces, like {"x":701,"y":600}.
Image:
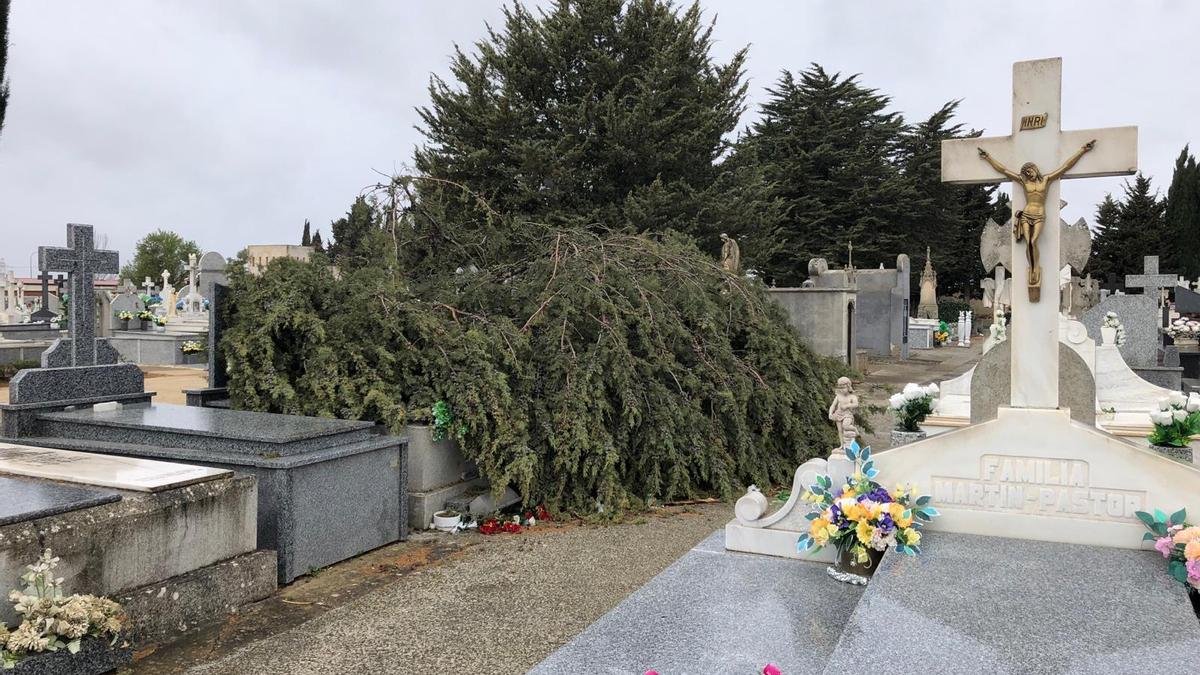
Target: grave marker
{"x":82,"y":261}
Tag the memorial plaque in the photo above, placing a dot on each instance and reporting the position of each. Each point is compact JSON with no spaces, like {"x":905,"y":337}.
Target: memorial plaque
{"x":24,"y":499}
{"x":123,"y":473}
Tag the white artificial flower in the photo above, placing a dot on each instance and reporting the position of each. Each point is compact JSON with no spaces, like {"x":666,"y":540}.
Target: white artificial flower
{"x":913,"y":392}
{"x":1164,"y":404}
{"x":1178,"y":400}
{"x":931,"y":389}
{"x":933,"y":403}
{"x":1179,"y":415}
{"x":1156,"y":417}
{"x":897,"y":401}
{"x":1193,"y":403}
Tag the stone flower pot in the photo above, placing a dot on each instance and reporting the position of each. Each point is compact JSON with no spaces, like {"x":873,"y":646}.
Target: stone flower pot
{"x":94,"y":657}
{"x":1108,"y":335}
{"x":147,"y":325}
{"x":900,"y":437}
{"x":124,"y":324}
{"x":446,"y":521}
{"x":846,"y":570}
{"x":1183,"y":454}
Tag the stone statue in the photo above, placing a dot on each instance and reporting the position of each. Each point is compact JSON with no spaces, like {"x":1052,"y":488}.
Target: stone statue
{"x":928,"y":308}
{"x":1029,"y":221}
{"x":841,"y":410}
{"x":731,"y":255}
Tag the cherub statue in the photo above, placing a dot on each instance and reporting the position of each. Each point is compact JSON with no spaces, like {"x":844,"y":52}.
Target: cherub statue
{"x":841,"y":410}
{"x":1027,"y":226}
{"x":731,"y":255}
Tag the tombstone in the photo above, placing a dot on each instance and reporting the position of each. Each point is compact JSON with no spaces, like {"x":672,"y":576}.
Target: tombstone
{"x":104,"y":315}
{"x":148,"y":286}
{"x":127,"y":301}
{"x":212,"y":272}
{"x":80,"y":366}
{"x":1033,"y":472}
{"x":927,"y":308}
{"x":1140,"y":316}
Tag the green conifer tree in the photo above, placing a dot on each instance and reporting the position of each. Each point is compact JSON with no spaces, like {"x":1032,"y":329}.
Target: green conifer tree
{"x":1182,"y":216}
{"x":352,"y":232}
{"x":306,"y":237}
{"x":5,"y":5}
{"x":829,"y":151}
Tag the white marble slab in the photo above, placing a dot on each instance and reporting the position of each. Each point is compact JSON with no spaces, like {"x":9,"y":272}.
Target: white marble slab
{"x":113,"y":471}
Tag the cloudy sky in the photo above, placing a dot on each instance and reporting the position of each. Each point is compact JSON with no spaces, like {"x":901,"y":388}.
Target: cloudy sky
{"x":231,"y":121}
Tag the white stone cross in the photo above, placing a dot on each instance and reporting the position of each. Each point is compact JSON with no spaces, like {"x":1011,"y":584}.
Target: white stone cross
{"x":148,"y":284}
{"x":1037,"y":137}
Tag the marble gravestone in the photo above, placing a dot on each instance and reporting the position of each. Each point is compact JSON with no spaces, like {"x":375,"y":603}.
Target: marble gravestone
{"x":113,"y":471}
{"x":1033,"y":472}
{"x":1141,"y":317}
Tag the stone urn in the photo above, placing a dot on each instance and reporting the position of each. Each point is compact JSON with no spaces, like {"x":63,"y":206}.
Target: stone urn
{"x":1183,"y":454}
{"x":849,"y":571}
{"x":901,"y":437}
{"x":1108,"y":335}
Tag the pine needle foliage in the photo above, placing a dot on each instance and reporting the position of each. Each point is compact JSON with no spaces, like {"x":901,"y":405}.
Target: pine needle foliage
{"x":606,"y":367}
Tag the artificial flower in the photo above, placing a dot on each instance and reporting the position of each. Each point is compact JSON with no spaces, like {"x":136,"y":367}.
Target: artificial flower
{"x":1193,"y":570}
{"x":1192,"y":550}
{"x":1187,"y":535}
{"x":1164,"y":546}
{"x":864,"y":531}
{"x":897,"y":401}
{"x":931,"y":389}
{"x":913,"y":391}
{"x":770,"y":669}
{"x":912,"y":537}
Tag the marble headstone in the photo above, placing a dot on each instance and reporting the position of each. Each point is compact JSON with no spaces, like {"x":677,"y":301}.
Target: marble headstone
{"x":24,"y":499}
{"x":113,"y":471}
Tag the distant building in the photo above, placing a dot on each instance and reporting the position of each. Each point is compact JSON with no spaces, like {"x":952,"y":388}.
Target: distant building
{"x":258,"y":256}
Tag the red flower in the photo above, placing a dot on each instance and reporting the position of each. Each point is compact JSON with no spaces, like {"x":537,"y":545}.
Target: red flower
{"x":489,"y":526}
{"x":770,"y":669}
{"x":542,"y":513}
{"x":512,"y":528}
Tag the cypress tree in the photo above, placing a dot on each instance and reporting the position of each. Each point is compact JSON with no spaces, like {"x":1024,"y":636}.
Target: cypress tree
{"x":1105,"y":256}
{"x":1182,"y":217}
{"x":306,"y":237}
{"x":317,"y":244}
{"x":948,"y":218}
{"x":5,"y":5}
{"x":352,"y":231}
{"x":829,"y":151}
{"x":609,"y":114}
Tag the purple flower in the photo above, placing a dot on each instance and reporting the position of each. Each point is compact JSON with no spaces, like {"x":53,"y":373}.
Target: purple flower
{"x":1193,"y":570}
{"x":879,"y":494}
{"x":1164,"y":545}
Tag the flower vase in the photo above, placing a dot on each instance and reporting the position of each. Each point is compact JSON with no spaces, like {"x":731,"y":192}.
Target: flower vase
{"x":147,"y":325}
{"x":849,"y":571}
{"x":124,"y":324}
{"x":1183,"y":454}
{"x":1108,"y":335}
{"x":1187,"y":344}
{"x":901,"y":437}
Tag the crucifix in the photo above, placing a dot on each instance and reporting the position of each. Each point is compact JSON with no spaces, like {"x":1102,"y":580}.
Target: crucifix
{"x":82,"y":261}
{"x":148,"y":284}
{"x":1037,"y":142}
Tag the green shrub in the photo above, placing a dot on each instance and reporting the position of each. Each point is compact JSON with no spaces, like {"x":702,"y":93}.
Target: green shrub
{"x":8,"y":370}
{"x":948,"y":309}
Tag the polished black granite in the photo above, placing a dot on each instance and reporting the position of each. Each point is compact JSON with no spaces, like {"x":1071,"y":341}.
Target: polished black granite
{"x":24,"y":499}
{"x":232,"y":424}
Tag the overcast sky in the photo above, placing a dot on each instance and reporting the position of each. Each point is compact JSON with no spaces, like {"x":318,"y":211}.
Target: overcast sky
{"x":231,"y":121}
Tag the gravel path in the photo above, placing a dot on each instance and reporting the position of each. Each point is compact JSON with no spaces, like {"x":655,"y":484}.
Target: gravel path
{"x":501,"y":607}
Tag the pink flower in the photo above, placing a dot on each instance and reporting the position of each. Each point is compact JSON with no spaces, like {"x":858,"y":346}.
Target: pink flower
{"x":1164,"y":545}
{"x":770,"y":669}
{"x":1193,"y":570}
{"x":651,"y":672}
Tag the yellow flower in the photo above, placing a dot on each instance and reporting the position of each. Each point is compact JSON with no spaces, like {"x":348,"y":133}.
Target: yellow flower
{"x":821,"y":530}
{"x":1187,"y":535}
{"x":897,"y":511}
{"x":858,"y":512}
{"x":1192,"y":550}
{"x":807,"y":496}
{"x":864,"y":531}
{"x":912,"y":537}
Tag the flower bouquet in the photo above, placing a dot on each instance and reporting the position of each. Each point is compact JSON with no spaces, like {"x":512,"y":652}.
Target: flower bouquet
{"x":1176,"y":420}
{"x":911,"y":407}
{"x":55,"y":627}
{"x":1184,"y":330}
{"x":147,"y":318}
{"x":125,"y":317}
{"x":192,"y":347}
{"x":861,"y":518}
{"x":1178,"y":542}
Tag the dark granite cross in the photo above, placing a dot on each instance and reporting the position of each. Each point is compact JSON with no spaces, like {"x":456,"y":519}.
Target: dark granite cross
{"x":44,"y":313}
{"x":81,"y":261}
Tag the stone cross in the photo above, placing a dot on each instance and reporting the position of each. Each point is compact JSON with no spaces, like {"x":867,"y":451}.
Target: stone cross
{"x":44,"y":313}
{"x":81,"y":261}
{"x":148,"y":284}
{"x":1150,"y":278}
{"x":1037,"y":137}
